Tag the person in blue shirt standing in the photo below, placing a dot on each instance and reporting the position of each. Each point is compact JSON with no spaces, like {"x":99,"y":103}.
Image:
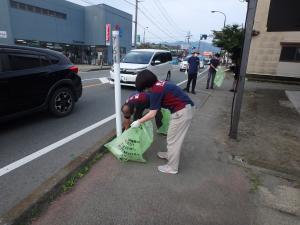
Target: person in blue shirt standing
{"x":193,"y":66}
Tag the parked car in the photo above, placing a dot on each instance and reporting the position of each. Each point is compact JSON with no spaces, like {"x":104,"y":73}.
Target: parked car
{"x":33,"y":79}
{"x":206,"y":61}
{"x":184,"y":64}
{"x":157,"y":61}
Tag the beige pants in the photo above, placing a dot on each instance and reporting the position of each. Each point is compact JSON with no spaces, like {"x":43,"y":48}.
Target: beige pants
{"x":179,"y":125}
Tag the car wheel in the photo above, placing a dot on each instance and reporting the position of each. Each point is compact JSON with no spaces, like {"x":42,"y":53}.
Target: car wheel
{"x":168,"y":76}
{"x":61,"y":102}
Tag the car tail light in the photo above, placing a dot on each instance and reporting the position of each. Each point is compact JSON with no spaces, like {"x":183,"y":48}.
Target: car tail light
{"x":74,"y":69}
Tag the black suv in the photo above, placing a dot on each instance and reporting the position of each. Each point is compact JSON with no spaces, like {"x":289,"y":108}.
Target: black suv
{"x":33,"y":79}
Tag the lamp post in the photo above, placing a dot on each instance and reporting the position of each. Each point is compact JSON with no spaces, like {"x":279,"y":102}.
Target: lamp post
{"x":145,"y":34}
{"x":223,"y":15}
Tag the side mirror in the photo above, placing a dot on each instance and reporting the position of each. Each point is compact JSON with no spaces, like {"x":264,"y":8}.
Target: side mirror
{"x":153,"y":63}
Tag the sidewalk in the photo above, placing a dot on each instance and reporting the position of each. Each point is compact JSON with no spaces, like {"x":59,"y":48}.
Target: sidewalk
{"x":211,"y":187}
{"x":88,"y":68}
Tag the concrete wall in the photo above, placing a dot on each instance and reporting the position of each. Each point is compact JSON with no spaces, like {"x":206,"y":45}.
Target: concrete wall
{"x":5,"y":23}
{"x":33,"y":26}
{"x":266,"y":48}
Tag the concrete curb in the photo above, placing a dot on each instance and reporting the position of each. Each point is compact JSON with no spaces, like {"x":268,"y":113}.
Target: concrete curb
{"x":39,"y":199}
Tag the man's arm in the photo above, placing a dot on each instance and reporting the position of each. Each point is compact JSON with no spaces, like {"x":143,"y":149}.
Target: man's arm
{"x":126,"y":123}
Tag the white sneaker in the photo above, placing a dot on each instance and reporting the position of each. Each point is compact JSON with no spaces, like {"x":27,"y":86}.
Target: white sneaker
{"x":162,"y":155}
{"x":167,"y":169}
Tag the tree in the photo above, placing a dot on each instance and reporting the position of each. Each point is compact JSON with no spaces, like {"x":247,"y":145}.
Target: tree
{"x":230,"y":39}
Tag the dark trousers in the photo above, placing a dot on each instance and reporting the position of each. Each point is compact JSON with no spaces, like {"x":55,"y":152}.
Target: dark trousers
{"x":211,"y":78}
{"x":191,"y":78}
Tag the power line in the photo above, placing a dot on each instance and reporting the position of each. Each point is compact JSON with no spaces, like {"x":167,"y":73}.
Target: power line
{"x":166,"y":28}
{"x":150,"y":19}
{"x":165,"y":17}
{"x":168,"y":15}
{"x":125,"y":18}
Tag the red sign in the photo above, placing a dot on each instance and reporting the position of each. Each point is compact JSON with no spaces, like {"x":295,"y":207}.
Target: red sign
{"x":107,"y":34}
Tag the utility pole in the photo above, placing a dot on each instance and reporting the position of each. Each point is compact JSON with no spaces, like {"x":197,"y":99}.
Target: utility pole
{"x":188,"y":37}
{"x":252,"y":4}
{"x":135,"y":23}
{"x":145,"y":34}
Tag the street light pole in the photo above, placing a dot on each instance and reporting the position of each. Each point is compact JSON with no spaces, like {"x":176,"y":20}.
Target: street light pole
{"x":223,"y":15}
{"x":145,"y":34}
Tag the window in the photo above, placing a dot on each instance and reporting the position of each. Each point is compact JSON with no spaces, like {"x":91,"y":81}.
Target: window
{"x":54,"y":60}
{"x":284,"y":15}
{"x":137,"y":57}
{"x":166,"y":57}
{"x":1,"y":67}
{"x":290,"y":53}
{"x":22,"y":6}
{"x":34,"y":9}
{"x":23,"y":61}
{"x":158,"y":57}
{"x":44,"y":61}
{"x":38,"y":10}
{"x":4,"y":63}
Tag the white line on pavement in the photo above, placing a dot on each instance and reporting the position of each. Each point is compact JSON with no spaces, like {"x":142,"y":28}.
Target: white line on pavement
{"x":88,"y":79}
{"x":53,"y":146}
{"x":187,"y":80}
{"x":104,"y":80}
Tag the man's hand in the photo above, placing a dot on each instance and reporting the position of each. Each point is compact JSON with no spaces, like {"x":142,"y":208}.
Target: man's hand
{"x":135,"y":124}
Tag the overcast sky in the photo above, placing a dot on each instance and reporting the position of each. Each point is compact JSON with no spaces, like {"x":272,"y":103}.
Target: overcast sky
{"x":170,"y":20}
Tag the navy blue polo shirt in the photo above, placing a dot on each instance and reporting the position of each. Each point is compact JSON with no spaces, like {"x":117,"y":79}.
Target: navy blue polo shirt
{"x":193,"y":64}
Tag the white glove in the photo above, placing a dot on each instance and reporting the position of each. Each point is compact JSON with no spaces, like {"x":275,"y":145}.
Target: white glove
{"x":135,"y":124}
{"x":216,"y":70}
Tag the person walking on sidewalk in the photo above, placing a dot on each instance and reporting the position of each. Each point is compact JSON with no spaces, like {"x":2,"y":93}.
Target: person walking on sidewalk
{"x":193,"y":67}
{"x":170,"y":96}
{"x":135,"y":105}
{"x":213,"y":68}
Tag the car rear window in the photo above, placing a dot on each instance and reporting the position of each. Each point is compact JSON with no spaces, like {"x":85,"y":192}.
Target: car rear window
{"x":44,"y":61}
{"x":23,"y":61}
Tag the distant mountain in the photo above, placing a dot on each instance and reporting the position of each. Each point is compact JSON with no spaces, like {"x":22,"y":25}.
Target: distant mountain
{"x":204,"y":46}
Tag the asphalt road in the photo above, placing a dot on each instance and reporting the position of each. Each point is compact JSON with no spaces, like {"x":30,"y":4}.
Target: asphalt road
{"x":28,"y":136}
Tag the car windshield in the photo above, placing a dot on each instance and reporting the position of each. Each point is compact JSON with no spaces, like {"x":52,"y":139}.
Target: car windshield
{"x":137,"y":57}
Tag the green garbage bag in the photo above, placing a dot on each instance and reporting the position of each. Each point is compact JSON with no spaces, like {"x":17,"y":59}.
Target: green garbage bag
{"x":165,"y":121}
{"x":219,"y":77}
{"x":132,"y":144}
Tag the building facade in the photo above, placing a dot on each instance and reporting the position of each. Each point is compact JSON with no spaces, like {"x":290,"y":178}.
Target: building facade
{"x":77,"y":31}
{"x":275,"y":46}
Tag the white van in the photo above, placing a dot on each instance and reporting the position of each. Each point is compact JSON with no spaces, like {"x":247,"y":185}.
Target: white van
{"x":157,"y":61}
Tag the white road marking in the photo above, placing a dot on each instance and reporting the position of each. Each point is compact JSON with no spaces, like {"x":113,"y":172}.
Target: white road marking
{"x":53,"y":146}
{"x":49,"y":148}
{"x":104,"y":80}
{"x":88,"y":79}
{"x":187,"y":80}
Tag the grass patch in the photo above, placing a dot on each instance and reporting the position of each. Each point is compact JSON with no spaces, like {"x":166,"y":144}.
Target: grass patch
{"x":255,"y":181}
{"x":70,"y":183}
